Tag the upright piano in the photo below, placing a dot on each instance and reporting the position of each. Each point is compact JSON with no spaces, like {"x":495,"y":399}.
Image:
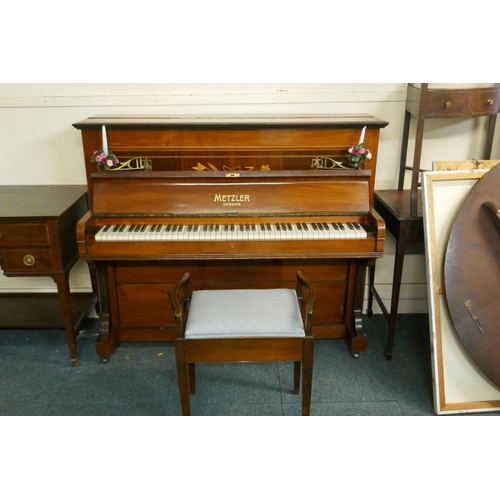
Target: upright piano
{"x":236,"y":202}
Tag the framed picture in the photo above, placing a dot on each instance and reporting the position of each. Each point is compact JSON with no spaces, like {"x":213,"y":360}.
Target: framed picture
{"x":459,"y":386}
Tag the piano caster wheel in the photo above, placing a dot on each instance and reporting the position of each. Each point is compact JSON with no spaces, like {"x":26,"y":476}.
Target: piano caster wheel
{"x":356,"y":355}
{"x":388,"y":355}
{"x":104,"y":359}
{"x":75,"y":362}
{"x":369,"y":312}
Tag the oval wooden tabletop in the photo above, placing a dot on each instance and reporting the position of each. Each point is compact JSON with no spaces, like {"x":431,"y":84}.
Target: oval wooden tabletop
{"x":472,"y":275}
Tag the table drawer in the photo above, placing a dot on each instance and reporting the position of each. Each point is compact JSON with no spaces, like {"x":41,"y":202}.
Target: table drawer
{"x":27,"y":260}
{"x":446,"y":103}
{"x":485,"y":102}
{"x":23,"y":234}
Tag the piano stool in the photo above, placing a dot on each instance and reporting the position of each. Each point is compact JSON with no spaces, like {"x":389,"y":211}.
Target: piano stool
{"x":259,"y":325}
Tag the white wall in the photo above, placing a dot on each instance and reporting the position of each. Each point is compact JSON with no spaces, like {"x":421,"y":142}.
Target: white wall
{"x":38,"y":144}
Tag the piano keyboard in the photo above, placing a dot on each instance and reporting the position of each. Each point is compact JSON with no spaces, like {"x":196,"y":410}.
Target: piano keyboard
{"x":232,"y":232}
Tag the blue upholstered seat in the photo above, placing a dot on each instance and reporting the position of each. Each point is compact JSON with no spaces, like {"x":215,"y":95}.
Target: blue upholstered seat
{"x":244,"y":313}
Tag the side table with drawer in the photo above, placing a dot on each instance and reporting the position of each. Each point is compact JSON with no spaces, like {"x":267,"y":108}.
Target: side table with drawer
{"x":38,"y":238}
{"x":402,"y":208}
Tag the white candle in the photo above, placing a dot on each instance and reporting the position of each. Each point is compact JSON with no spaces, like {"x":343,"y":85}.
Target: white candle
{"x":362,"y":136}
{"x":104,"y":140}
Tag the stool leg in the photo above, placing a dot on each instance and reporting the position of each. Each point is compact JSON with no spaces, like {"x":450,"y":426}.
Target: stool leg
{"x":182,"y":377}
{"x":296,"y":376}
{"x":307,"y":372}
{"x":192,"y":378}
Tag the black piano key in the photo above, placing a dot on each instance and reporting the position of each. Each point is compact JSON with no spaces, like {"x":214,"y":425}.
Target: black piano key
{"x":106,"y":229}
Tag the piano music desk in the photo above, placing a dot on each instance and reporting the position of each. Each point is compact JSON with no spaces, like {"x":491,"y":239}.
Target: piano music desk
{"x":38,"y":238}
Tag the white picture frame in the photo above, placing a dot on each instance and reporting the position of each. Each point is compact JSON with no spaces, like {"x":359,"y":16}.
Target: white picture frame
{"x":458,"y":385}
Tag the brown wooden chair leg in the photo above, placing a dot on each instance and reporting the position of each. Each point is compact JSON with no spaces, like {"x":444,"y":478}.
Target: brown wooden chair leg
{"x":296,"y":376}
{"x":182,"y":377}
{"x":307,"y":372}
{"x":192,"y":378}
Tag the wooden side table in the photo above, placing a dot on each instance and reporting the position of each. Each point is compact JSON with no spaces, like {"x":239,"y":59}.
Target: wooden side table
{"x":38,"y":238}
{"x":402,"y":208}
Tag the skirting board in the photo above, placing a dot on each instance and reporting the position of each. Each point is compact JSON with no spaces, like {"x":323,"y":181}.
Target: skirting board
{"x":459,"y":386}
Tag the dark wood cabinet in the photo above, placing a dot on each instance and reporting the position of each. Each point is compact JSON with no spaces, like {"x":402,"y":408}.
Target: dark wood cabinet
{"x":38,"y":238}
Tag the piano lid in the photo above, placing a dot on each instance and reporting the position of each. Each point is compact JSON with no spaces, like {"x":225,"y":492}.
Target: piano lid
{"x":231,"y":121}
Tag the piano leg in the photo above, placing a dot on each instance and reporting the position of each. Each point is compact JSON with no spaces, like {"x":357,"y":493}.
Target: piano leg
{"x":357,"y":338}
{"x":371,"y":281}
{"x":106,"y":342}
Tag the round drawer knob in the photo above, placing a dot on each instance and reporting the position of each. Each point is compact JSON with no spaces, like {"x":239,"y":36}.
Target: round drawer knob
{"x":28,"y":260}
{"x":448,"y":104}
{"x":490,"y":102}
